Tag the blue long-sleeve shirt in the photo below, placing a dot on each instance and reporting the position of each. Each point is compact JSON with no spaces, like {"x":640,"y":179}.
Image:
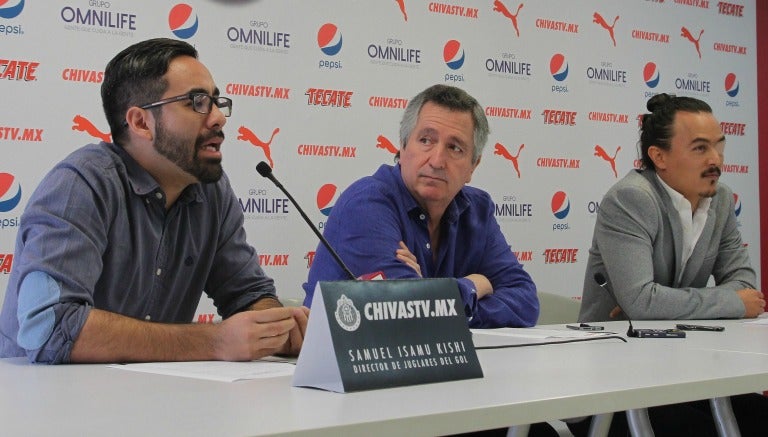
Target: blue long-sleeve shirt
{"x":96,"y":234}
{"x":377,"y":212}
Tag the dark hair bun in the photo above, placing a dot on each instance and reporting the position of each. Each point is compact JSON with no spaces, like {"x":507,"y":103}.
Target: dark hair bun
{"x":658,"y":101}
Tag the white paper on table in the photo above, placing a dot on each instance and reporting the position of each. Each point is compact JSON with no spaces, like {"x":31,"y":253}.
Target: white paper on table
{"x":224,"y":371}
{"x":539,"y":333}
{"x":491,"y":338}
{"x":762,"y":319}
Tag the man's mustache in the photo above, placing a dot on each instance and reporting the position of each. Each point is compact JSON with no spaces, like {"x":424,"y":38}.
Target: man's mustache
{"x":215,"y":134}
{"x":204,"y":139}
{"x":712,"y":171}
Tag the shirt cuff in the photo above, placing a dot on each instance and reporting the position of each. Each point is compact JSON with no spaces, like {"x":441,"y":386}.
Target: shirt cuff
{"x":468,"y":295}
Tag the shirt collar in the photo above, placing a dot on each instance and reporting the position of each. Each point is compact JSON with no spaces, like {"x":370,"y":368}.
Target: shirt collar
{"x":143,"y":184}
{"x":458,"y":205}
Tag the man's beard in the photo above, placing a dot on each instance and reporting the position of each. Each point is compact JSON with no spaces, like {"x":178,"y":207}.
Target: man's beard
{"x":712,"y":170}
{"x":178,"y":152}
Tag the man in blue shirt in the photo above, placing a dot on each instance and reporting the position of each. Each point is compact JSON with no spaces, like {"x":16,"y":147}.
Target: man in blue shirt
{"x":119,"y":241}
{"x":419,"y":219}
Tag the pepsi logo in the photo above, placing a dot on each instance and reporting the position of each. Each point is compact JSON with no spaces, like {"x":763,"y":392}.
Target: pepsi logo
{"x":326,"y":198}
{"x":651,"y":75}
{"x":182,"y":21}
{"x":558,"y":67}
{"x":10,"y":192}
{"x":736,"y":204}
{"x":453,"y":54}
{"x":731,"y":85}
{"x":11,"y":8}
{"x":329,"y":39}
{"x":560,"y":205}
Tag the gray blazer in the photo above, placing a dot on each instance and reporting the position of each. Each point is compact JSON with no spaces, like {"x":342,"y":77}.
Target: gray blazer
{"x":637,"y":246}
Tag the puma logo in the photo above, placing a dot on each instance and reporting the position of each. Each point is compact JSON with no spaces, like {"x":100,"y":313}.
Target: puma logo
{"x":597,"y":18}
{"x":599,"y":151}
{"x":246,"y":134}
{"x":504,"y":153}
{"x":384,"y":143}
{"x":689,"y":36}
{"x":498,"y":6}
{"x":82,"y":124}
{"x":401,"y":3}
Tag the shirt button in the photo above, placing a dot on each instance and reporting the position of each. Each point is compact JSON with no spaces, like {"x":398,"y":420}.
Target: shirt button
{"x":428,"y":246}
{"x":159,"y":195}
{"x":422,"y":216}
{"x":147,"y":317}
{"x":158,"y":272}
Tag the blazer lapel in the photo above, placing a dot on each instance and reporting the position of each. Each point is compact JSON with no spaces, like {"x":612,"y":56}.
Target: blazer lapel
{"x":700,"y":249}
{"x":676,"y":228}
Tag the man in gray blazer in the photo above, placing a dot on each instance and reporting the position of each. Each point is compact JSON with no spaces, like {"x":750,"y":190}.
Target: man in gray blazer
{"x":663,"y":230}
{"x":661,"y":233}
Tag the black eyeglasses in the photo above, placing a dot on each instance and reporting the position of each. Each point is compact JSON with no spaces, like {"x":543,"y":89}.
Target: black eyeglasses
{"x":201,"y":103}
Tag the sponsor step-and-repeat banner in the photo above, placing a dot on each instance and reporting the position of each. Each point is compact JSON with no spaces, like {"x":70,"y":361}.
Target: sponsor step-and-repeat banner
{"x":319,"y":88}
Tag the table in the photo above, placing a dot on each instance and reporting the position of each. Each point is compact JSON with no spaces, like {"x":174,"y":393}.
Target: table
{"x":521,"y":386}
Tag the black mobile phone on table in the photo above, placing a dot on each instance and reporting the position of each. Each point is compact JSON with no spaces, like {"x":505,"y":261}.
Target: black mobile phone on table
{"x":585,"y":327}
{"x":690,"y":327}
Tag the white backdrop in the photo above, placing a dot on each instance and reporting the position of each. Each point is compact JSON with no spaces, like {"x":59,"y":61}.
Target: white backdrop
{"x":319,"y":88}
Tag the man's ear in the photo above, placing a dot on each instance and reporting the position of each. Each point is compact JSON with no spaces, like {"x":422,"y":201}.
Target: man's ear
{"x":141,"y":122}
{"x":474,"y":166}
{"x":658,"y":156}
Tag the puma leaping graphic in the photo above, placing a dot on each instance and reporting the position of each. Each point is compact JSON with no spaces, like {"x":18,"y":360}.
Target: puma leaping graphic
{"x":401,"y":3}
{"x":383,"y":142}
{"x":597,"y":18}
{"x":498,"y":6}
{"x":504,"y":153}
{"x":82,"y":124}
{"x":689,"y":36}
{"x":599,"y":151}
{"x":246,"y":134}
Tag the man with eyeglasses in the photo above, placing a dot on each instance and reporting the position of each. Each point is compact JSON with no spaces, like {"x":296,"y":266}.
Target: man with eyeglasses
{"x":119,"y":240}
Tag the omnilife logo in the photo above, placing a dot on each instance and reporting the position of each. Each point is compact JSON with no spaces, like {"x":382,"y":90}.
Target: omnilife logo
{"x":98,"y":18}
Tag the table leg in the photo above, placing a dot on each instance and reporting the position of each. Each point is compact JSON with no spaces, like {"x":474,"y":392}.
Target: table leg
{"x":518,"y":431}
{"x":601,"y":424}
{"x":725,"y":421}
{"x":639,"y":423}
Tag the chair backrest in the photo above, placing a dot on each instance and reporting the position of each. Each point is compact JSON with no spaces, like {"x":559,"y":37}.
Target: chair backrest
{"x":557,"y":309}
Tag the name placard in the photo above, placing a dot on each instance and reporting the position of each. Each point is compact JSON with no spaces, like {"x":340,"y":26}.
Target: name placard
{"x":365,"y":335}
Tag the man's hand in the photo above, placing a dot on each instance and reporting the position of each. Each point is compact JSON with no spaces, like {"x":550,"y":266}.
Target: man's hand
{"x":296,"y":337}
{"x":250,"y":335}
{"x":408,"y":258}
{"x":754,"y":302}
{"x":483,"y":286}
